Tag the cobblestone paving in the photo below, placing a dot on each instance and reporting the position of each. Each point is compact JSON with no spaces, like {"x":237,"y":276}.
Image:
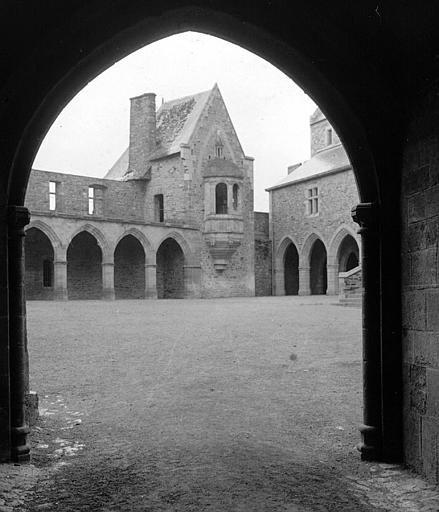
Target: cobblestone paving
{"x":216,"y":405}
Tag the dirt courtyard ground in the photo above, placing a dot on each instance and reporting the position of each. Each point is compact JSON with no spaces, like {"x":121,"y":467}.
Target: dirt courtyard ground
{"x":246,"y":404}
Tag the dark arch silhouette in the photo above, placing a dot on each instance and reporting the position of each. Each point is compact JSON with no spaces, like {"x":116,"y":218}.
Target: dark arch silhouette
{"x":348,"y":254}
{"x":291,"y":270}
{"x":84,"y":267}
{"x":39,"y":255}
{"x":170,"y":270}
{"x":318,"y":271}
{"x":348,"y":83}
{"x":129,"y":269}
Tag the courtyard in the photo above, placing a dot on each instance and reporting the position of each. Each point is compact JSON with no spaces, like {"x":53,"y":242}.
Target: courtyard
{"x":238,"y":404}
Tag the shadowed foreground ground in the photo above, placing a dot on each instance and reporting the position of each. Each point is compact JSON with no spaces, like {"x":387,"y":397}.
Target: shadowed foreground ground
{"x":220,"y":405}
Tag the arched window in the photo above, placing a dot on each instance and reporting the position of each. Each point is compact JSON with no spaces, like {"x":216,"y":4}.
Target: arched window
{"x":235,"y":196}
{"x":221,"y":198}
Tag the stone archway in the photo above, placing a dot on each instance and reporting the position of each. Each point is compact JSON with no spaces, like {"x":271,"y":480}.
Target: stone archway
{"x":39,"y":258}
{"x":32,"y":107}
{"x":318,"y":269}
{"x":348,"y":254}
{"x":129,"y":269}
{"x":170,"y":270}
{"x":84,"y":267}
{"x":291,"y":270}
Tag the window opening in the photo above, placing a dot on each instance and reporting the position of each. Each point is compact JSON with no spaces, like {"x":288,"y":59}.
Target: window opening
{"x":47,"y":273}
{"x":159,"y":212}
{"x":91,"y":200}
{"x":219,"y":151}
{"x":329,"y":136}
{"x":313,"y":201}
{"x":52,"y":195}
{"x":235,"y":196}
{"x":221,"y":198}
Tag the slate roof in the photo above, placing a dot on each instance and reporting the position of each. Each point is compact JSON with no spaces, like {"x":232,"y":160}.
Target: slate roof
{"x":324,"y":162}
{"x":176,"y":120}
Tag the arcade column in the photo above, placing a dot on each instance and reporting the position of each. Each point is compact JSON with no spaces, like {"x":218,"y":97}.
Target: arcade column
{"x":18,"y":218}
{"x":366,"y":215}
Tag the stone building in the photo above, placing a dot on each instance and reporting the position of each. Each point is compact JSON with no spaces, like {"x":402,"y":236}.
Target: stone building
{"x":315,"y":241}
{"x":172,"y":218}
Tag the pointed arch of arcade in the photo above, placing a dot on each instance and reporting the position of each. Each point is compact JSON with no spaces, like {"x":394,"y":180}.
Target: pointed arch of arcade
{"x":281,"y":251}
{"x":107,"y":252}
{"x":42,"y":249}
{"x":34,"y":105}
{"x":48,"y":231}
{"x":189,"y":255}
{"x":343,"y":233}
{"x":336,"y":241}
{"x":305,"y":253}
{"x":146,"y":244}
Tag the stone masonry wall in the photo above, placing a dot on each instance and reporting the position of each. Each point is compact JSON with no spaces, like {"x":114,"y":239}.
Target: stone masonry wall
{"x":263,"y":266}
{"x":337,"y":195}
{"x":318,"y":136}
{"x":238,"y":277}
{"x":120,"y":200}
{"x":420,"y":282}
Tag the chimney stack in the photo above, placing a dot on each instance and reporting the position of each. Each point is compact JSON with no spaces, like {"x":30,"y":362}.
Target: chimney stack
{"x":142,"y":131}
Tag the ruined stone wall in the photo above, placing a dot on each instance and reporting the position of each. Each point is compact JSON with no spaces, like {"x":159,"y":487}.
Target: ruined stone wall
{"x":115,"y":199}
{"x":263,"y":257}
{"x":167,"y":178}
{"x":420,"y":280}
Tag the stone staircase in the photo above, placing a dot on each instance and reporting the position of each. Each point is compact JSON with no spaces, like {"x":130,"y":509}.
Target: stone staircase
{"x":351,"y":289}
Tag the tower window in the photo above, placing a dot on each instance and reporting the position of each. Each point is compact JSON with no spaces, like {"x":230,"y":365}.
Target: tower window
{"x":159,"y":212}
{"x":52,"y":195}
{"x":329,"y":140}
{"x":235,"y":196}
{"x":313,"y":201}
{"x":221,"y":198}
{"x":47,"y":273}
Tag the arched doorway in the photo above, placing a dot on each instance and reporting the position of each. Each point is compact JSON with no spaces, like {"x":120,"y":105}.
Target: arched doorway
{"x":348,"y":254}
{"x":318,"y":272}
{"x":129,"y":269}
{"x":84,"y":267}
{"x":170,"y":271}
{"x":291,"y":270}
{"x":38,"y":265}
{"x":118,"y":35}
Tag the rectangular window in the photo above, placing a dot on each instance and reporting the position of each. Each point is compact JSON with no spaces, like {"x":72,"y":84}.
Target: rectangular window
{"x":91,"y":200}
{"x":52,"y":195}
{"x":159,"y":212}
{"x":47,"y":273}
{"x":313,"y":201}
{"x":329,"y":136}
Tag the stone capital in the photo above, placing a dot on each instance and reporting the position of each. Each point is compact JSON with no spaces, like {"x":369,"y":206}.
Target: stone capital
{"x":366,"y":215}
{"x":18,"y":217}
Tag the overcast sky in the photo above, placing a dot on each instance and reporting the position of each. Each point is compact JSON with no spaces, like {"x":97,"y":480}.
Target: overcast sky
{"x":270,"y":113}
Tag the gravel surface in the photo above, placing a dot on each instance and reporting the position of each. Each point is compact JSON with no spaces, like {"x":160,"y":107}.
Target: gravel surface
{"x":244,"y":404}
